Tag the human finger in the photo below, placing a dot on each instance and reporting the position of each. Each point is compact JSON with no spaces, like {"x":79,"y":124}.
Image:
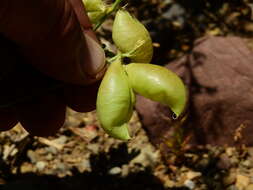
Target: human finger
{"x":42,"y":116}
{"x":49,"y":35}
{"x":8,"y":120}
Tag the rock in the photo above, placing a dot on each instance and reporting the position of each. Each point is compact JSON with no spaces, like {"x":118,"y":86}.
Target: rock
{"x":115,"y":171}
{"x":40,"y":165}
{"x":232,"y":187}
{"x":250,"y":151}
{"x":234,"y":161}
{"x":224,"y":162}
{"x":94,"y":148}
{"x":87,"y":133}
{"x":51,"y":150}
{"x":14,"y":152}
{"x":125,"y":170}
{"x":32,"y":156}
{"x":169,"y":183}
{"x":147,"y":157}
{"x":219,"y":76}
{"x":189,"y":184}
{"x":61,"y":140}
{"x":26,"y":168}
{"x":230,"y":179}
{"x":242,"y":182}
{"x":7,"y":151}
{"x":249,"y":187}
{"x":246,"y":163}
{"x":49,"y":157}
{"x":251,"y":174}
{"x":84,"y":165}
{"x":203,"y":163}
{"x":72,"y":121}
{"x":61,"y":166}
{"x":175,"y":13}
{"x":91,"y":132}
{"x":192,"y":175}
{"x":230,"y":151}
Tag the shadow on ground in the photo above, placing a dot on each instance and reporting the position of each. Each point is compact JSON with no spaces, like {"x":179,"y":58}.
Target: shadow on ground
{"x":143,"y":180}
{"x":98,"y":179}
{"x":92,"y":181}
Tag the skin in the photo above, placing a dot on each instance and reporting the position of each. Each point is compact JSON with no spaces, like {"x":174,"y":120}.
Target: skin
{"x":47,"y":41}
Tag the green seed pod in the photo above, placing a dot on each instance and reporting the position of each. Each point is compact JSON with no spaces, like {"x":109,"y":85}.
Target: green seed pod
{"x":159,"y":84}
{"x":120,"y":132}
{"x":115,"y":101}
{"x":94,"y":5}
{"x":130,"y":36}
{"x":95,"y":16}
{"x":95,"y":9}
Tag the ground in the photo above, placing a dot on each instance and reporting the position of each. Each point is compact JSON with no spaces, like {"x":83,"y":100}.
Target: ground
{"x":81,"y":155}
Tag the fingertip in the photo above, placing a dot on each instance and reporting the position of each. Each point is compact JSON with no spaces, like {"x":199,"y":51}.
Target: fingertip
{"x":43,"y":116}
{"x":7,"y":120}
{"x":80,"y":12}
{"x":81,"y":98}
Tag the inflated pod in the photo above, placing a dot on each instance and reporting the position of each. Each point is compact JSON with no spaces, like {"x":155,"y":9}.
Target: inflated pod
{"x":115,"y":101}
{"x":95,"y":9}
{"x":94,"y":5}
{"x":159,"y":84}
{"x":95,"y":16}
{"x":130,"y":36}
{"x":120,"y":132}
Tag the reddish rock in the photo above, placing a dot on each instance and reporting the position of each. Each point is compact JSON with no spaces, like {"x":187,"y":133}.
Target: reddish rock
{"x":219,"y":75}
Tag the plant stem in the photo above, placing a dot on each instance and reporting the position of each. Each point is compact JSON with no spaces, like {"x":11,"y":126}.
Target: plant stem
{"x":129,"y":54}
{"x":118,"y":56}
{"x":109,"y":11}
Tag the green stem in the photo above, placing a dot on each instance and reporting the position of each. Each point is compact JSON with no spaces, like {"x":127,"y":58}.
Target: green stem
{"x":118,"y":56}
{"x":129,"y":54}
{"x":109,"y":11}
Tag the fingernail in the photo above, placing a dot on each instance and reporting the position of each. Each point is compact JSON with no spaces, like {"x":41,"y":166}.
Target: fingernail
{"x":95,"y":57}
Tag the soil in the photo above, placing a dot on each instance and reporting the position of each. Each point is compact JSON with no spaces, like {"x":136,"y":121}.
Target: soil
{"x":82,"y":156}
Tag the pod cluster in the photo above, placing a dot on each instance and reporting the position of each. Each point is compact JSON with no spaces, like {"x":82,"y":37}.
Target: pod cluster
{"x":95,"y":9}
{"x":116,"y":95}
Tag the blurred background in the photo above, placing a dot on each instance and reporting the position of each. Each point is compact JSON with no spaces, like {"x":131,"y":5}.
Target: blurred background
{"x":82,"y":156}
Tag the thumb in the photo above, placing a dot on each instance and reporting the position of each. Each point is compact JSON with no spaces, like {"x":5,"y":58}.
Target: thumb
{"x":49,"y":35}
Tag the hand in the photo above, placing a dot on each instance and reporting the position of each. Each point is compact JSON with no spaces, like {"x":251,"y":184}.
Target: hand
{"x":45,"y":43}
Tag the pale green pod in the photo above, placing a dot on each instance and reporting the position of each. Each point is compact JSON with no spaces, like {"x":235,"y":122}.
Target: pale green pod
{"x":94,"y":5}
{"x":159,"y":84}
{"x":115,"y":101}
{"x":95,"y":16}
{"x":95,"y":9}
{"x":130,"y":36}
{"x":120,"y":132}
